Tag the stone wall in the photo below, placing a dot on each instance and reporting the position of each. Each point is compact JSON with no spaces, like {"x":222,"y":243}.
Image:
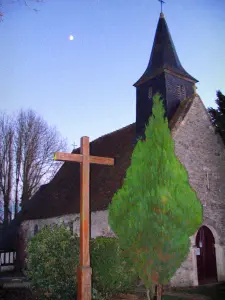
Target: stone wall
{"x":99,"y":224}
{"x":202,"y":153}
{"x":183,"y":276}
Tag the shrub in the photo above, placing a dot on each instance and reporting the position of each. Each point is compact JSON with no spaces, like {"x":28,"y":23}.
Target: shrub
{"x":53,"y":257}
{"x":111,"y":273}
{"x":96,"y":295}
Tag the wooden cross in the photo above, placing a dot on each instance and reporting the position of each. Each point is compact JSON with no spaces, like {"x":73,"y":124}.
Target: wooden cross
{"x":85,"y":159}
{"x":162,"y":2}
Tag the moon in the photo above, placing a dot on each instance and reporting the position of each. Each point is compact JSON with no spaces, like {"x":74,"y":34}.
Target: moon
{"x":71,"y":37}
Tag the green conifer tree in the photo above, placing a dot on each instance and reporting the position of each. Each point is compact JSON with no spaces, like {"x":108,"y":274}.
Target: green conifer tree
{"x":156,"y":211}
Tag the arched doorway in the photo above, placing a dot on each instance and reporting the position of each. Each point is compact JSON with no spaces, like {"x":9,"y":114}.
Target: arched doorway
{"x":206,"y":256}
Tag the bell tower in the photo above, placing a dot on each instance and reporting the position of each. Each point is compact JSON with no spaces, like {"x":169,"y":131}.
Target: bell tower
{"x":164,"y":74}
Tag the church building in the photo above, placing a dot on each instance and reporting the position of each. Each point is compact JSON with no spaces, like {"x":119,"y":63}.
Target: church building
{"x":197,"y":146}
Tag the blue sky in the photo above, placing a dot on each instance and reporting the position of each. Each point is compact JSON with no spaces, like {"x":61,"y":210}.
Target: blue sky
{"x":84,"y":86}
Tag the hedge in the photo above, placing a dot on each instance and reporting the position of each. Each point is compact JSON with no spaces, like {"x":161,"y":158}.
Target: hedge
{"x":53,"y":257}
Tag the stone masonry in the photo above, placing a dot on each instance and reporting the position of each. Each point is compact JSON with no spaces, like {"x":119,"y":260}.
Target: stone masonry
{"x":202,"y":153}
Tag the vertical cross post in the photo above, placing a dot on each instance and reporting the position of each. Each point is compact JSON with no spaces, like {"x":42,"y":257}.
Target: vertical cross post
{"x":85,"y":159}
{"x":84,"y":271}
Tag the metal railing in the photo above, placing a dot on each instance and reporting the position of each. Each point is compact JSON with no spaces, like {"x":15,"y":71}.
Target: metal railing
{"x":7,"y":258}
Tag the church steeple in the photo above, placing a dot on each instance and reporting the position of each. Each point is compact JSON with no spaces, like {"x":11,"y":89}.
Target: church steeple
{"x":164,"y":74}
{"x":164,"y":56}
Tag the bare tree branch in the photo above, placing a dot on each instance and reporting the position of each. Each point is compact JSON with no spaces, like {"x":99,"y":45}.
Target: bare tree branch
{"x":27,"y":144}
{"x":28,"y":3}
{"x":38,"y":143}
{"x":6,"y":162}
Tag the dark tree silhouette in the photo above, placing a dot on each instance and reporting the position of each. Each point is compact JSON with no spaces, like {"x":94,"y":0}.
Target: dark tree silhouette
{"x":218,"y":115}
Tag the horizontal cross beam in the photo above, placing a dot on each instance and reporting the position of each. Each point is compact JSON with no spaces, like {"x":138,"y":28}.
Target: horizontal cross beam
{"x":61,"y":156}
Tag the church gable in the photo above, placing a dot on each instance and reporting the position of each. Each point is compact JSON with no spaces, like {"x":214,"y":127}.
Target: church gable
{"x":202,"y":152}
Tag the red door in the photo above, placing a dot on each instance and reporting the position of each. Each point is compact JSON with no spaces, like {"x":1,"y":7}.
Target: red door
{"x":206,"y":256}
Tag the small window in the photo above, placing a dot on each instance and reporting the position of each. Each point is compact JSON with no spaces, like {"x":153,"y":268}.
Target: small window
{"x":183,"y":92}
{"x":178,"y":91}
{"x":35,"y":229}
{"x":150,"y":93}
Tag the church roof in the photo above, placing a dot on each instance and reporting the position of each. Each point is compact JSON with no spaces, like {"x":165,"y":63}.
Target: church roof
{"x":62,"y":195}
{"x":163,"y":56}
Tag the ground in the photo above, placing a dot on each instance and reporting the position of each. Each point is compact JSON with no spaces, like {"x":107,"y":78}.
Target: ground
{"x":209,"y":292}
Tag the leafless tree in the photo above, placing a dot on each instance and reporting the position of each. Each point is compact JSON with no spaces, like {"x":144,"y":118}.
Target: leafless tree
{"x":18,"y":159}
{"x":6,"y":161}
{"x":1,"y":209}
{"x":27,"y":145}
{"x":35,"y":144}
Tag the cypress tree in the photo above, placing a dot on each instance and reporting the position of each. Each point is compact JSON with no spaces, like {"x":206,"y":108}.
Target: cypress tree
{"x":155,"y":211}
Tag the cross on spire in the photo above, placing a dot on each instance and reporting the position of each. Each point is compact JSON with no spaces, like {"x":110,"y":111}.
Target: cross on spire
{"x":162,"y":2}
{"x":74,"y":145}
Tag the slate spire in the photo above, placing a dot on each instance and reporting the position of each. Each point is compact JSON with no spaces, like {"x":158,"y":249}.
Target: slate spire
{"x":163,"y":56}
{"x":165,"y":75}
